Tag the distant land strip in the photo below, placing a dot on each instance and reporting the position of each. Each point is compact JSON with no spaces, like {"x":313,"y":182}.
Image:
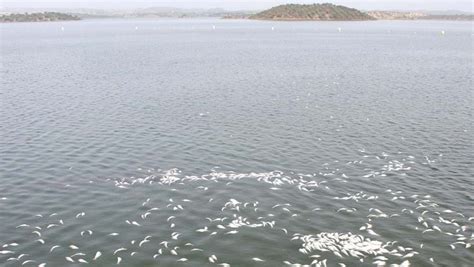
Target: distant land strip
{"x":398,"y":15}
{"x":37,"y":17}
{"x":289,"y":12}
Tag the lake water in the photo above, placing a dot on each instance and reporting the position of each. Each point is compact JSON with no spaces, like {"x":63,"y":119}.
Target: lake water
{"x":206,"y":142}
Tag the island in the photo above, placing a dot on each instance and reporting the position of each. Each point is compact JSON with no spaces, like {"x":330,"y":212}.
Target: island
{"x":37,"y":17}
{"x":314,"y":12}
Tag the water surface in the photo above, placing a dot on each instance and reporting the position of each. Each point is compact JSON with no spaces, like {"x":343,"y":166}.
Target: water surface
{"x":203,"y":142}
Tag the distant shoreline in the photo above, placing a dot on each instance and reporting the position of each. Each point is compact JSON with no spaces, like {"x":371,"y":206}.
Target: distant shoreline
{"x":38,"y":17}
{"x":395,"y":15}
{"x":237,"y":19}
{"x":382,"y":16}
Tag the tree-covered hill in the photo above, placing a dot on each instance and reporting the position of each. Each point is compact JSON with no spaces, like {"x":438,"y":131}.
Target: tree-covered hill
{"x":311,"y":12}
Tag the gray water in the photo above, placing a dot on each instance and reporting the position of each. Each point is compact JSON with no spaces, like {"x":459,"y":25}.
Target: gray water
{"x":205,"y":142}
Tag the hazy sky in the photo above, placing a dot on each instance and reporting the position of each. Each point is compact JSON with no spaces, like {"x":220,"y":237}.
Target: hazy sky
{"x":464,"y":5}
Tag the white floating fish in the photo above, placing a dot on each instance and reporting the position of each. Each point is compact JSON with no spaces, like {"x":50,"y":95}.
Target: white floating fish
{"x":97,"y":255}
{"x":118,"y":250}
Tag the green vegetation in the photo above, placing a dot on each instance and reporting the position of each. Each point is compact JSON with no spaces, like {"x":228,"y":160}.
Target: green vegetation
{"x":311,"y":12}
{"x":35,"y":17}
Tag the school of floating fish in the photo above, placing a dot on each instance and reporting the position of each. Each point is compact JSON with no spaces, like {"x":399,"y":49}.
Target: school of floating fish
{"x":365,"y":244}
